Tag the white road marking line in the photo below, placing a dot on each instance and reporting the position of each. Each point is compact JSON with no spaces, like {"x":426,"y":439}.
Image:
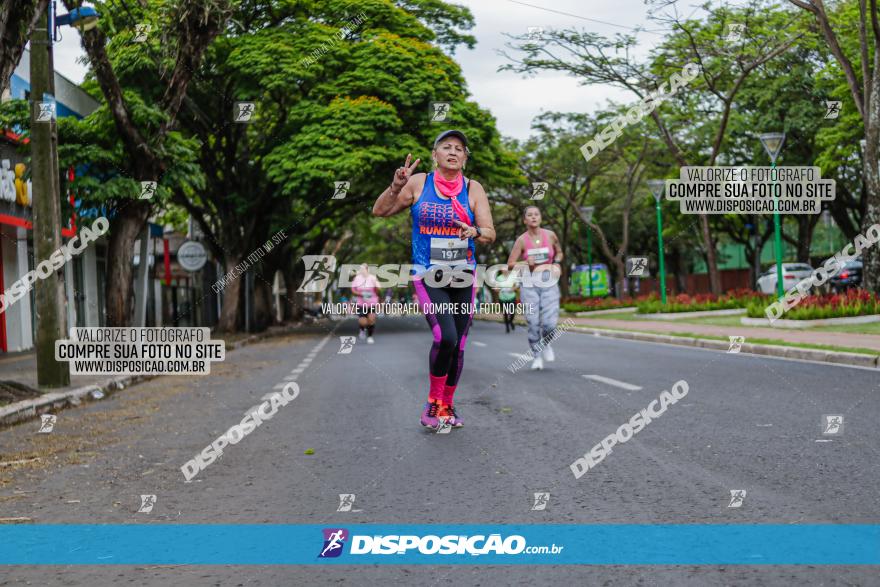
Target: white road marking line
{"x":614,"y":382}
{"x":478,"y":343}
{"x":298,"y":370}
{"x":280,"y":386}
{"x":519,"y":356}
{"x":824,"y":440}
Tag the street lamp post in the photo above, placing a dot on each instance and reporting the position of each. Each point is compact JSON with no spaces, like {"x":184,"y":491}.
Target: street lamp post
{"x":587,"y":212}
{"x":773,"y":145}
{"x":49,"y":292}
{"x":657,"y":186}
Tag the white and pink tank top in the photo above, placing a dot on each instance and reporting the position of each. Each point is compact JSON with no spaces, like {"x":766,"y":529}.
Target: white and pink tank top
{"x":538,"y":251}
{"x":365,"y":289}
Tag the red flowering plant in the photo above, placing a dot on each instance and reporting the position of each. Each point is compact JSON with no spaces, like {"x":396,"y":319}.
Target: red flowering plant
{"x":853,"y":302}
{"x":578,"y":304}
{"x":733,"y":299}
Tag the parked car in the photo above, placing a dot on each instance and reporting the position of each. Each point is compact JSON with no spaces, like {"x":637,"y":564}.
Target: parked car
{"x":792,"y":273}
{"x":850,"y":275}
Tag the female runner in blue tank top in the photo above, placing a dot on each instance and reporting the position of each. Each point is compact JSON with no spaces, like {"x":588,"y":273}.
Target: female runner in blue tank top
{"x":448,"y":215}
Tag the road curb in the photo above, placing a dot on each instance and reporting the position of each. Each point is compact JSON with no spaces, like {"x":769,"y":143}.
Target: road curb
{"x":57,"y":400}
{"x":787,"y":352}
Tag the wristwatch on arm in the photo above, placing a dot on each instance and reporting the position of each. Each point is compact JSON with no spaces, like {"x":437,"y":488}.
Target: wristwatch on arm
{"x":479,"y":232}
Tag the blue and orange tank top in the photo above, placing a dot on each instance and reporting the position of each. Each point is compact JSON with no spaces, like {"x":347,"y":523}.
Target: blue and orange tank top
{"x":434,"y":233}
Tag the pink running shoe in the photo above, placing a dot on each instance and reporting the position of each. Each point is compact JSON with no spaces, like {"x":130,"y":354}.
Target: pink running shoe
{"x":429,"y":414}
{"x":454,"y":419}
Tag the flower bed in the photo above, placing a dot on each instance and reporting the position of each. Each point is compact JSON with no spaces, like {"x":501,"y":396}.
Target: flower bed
{"x":574,"y":305}
{"x":853,"y":302}
{"x":734,"y":299}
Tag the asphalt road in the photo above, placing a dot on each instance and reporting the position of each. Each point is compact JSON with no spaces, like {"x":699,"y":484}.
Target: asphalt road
{"x":748,"y":422}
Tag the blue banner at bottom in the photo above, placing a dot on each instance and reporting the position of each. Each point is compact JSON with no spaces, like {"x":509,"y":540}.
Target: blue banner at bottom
{"x":354,"y":544}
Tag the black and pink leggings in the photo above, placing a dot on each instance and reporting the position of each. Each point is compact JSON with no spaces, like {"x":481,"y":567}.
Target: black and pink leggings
{"x":450,"y":328}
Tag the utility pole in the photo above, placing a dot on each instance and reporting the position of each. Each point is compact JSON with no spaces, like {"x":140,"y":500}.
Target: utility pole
{"x":51,"y":304}
{"x":772,"y":142}
{"x":657,"y":188}
{"x":587,"y":213}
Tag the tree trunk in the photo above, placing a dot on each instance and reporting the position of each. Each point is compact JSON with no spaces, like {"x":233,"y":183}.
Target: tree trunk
{"x":620,"y":269}
{"x":871,"y":173}
{"x":563,"y":280}
{"x":711,"y":260}
{"x":757,"y":247}
{"x":871,"y":255}
{"x":17,"y":20}
{"x":229,"y":311}
{"x":269,"y":266}
{"x":263,"y":315}
{"x":806,"y":225}
{"x":676,"y":268}
{"x":293,"y":275}
{"x":755,"y":269}
{"x":125,"y":229}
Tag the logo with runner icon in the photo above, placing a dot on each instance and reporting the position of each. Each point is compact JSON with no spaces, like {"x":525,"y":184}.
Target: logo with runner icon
{"x":735,"y":32}
{"x":148,"y":190}
{"x":340,"y":189}
{"x":346,"y":344}
{"x":832,"y":424}
{"x":147,"y":503}
{"x":244,"y":111}
{"x":439,"y":111}
{"x":346,"y":502}
{"x":319,"y":270}
{"x":334,"y":541}
{"x":736,"y":343}
{"x":832,"y":109}
{"x":636,"y":266}
{"x":540,"y":501}
{"x":539,"y":190}
{"x":47,"y":423}
{"x":444,"y":425}
{"x":141,"y":31}
{"x":45,"y":111}
{"x":737,"y":497}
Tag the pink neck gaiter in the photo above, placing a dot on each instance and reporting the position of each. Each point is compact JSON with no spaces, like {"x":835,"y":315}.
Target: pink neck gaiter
{"x":449,"y":188}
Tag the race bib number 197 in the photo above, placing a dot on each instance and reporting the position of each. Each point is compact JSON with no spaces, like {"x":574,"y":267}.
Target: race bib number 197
{"x":448,"y":251}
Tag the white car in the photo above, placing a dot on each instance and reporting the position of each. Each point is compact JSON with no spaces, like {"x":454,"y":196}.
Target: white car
{"x":792,"y":273}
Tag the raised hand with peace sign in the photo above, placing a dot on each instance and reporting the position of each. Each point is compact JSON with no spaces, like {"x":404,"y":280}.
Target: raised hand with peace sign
{"x":402,"y":174}
{"x":398,"y":197}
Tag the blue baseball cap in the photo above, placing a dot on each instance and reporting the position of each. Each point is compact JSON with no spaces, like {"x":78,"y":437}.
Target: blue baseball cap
{"x":452,"y":133}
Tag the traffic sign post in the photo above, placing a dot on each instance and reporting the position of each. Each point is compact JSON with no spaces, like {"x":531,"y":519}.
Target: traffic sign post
{"x":192,"y":256}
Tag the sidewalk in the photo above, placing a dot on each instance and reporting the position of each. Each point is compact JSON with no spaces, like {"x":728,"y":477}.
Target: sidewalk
{"x":839,"y":339}
{"x":21,"y":369}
